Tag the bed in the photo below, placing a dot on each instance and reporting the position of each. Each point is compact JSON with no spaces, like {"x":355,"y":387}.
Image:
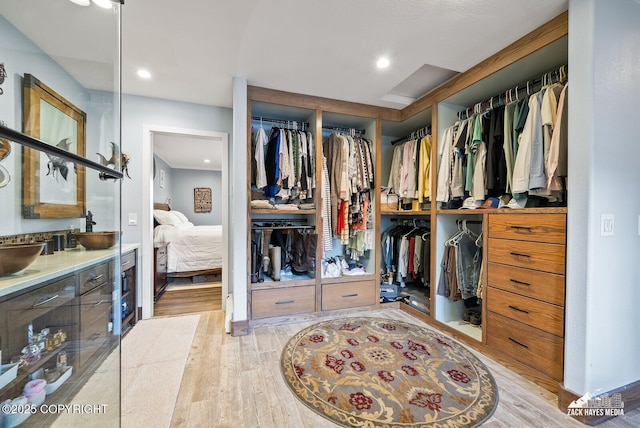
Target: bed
{"x":191,"y":250}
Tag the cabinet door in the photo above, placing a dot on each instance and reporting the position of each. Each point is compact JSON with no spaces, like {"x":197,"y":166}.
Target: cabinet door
{"x":95,"y":308}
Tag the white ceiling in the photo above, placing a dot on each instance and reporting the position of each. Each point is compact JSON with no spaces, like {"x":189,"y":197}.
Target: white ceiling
{"x":328,"y":48}
{"x":188,"y":152}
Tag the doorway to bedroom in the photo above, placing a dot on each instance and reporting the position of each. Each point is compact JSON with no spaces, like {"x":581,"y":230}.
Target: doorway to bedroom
{"x":187,"y":214}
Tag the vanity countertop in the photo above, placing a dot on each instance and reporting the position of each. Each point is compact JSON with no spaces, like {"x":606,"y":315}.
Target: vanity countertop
{"x":56,"y":265}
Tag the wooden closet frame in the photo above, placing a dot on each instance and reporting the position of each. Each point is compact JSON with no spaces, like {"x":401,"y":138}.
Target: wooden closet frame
{"x":548,"y":33}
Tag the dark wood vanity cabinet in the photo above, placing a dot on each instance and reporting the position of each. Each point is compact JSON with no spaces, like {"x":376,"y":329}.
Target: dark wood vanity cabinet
{"x":79,"y":303}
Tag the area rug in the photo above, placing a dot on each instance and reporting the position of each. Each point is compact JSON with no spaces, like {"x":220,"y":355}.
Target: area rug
{"x":375,"y":372}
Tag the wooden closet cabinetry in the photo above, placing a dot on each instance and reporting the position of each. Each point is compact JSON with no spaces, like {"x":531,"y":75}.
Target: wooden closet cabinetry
{"x":525,"y":289}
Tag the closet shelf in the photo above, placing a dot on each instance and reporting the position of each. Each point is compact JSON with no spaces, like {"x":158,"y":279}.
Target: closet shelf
{"x":281,"y":212}
{"x":344,"y":279}
{"x":285,"y":283}
{"x":543,"y":210}
{"x":405,"y":212}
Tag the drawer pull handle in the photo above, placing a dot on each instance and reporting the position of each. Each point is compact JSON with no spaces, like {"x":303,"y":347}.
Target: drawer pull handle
{"x":519,"y":343}
{"x":520,"y":255}
{"x":527,"y":228}
{"x":519,"y":282}
{"x":515,"y":308}
{"x":94,"y":336}
{"x":284,"y":302}
{"x":350,"y":295}
{"x":45,"y":301}
{"x":126,"y":263}
{"x":99,"y":303}
{"x":95,"y":278}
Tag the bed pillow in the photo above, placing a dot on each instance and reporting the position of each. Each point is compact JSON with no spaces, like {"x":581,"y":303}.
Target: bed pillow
{"x":166,"y":217}
{"x":183,"y":218}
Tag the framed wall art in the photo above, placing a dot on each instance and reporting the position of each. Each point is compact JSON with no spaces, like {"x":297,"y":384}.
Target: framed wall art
{"x":52,"y":186}
{"x":202,"y":199}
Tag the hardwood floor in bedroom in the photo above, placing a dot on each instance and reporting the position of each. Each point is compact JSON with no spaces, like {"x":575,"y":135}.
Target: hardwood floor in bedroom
{"x":175,"y":301}
{"x":236,"y":382}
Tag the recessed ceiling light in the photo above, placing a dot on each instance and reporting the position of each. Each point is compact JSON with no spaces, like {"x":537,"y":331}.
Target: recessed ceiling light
{"x":103,"y":3}
{"x":143,"y":73}
{"x":207,"y":161}
{"x":81,"y":2}
{"x":383,"y":62}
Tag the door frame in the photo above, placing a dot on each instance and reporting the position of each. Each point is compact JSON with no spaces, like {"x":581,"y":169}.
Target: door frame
{"x":146,"y":300}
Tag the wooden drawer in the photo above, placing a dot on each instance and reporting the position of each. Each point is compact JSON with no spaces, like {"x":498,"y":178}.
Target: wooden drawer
{"x":530,"y":255}
{"x":282,"y":301}
{"x":349,"y":295}
{"x":161,"y":250}
{"x":93,"y":277}
{"x":538,"y":349}
{"x":44,"y":298}
{"x":550,"y":228}
{"x":128,"y":260}
{"x":535,"y":313}
{"x":95,"y":303}
{"x":543,"y":286}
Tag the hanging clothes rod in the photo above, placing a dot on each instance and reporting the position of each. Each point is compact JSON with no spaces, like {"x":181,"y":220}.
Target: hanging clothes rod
{"x":418,"y":133}
{"x":417,"y":223}
{"x":282,"y":227}
{"x":292,"y":123}
{"x":345,"y":130}
{"x":518,"y":93}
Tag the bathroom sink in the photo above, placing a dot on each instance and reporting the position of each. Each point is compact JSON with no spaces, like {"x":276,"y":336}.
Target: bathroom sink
{"x":15,"y":257}
{"x":98,"y":240}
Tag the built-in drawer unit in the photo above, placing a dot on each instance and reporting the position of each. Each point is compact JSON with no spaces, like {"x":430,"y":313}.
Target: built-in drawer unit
{"x":525,"y":289}
{"x":282,"y":301}
{"x":536,"y":348}
{"x":349,"y":295}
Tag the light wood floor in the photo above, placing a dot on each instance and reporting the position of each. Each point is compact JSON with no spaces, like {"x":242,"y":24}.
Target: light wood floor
{"x":236,"y":382}
{"x":191,"y":300}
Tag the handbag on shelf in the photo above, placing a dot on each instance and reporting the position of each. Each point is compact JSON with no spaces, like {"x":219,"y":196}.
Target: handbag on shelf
{"x":388,"y":200}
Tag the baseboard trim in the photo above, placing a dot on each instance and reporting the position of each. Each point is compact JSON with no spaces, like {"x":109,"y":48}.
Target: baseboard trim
{"x":630,"y":395}
{"x":239,"y":328}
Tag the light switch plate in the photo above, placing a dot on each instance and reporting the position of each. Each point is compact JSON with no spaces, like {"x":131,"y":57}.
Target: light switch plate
{"x":133,"y":219}
{"x":606,"y":225}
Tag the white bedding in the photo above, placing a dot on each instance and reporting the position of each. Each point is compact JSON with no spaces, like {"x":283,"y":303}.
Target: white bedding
{"x":191,"y":247}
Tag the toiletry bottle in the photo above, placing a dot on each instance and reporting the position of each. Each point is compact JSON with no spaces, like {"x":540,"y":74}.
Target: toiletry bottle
{"x":72,"y":239}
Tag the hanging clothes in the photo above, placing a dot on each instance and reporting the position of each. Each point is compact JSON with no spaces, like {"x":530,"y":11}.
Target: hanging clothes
{"x":557,"y":162}
{"x":351,"y":178}
{"x":461,"y":266}
{"x":405,"y":253}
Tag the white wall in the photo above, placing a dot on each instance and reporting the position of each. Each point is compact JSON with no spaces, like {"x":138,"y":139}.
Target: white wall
{"x":185,"y":180}
{"x":21,"y":56}
{"x":162,"y":194}
{"x":602,"y":339}
{"x":238,"y":202}
{"x":138,"y":111}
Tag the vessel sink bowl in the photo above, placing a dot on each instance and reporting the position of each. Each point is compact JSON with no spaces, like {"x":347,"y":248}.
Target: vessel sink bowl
{"x":15,"y":257}
{"x":98,"y":240}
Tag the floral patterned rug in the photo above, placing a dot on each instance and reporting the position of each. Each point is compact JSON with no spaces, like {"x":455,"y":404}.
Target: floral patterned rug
{"x":374,"y":372}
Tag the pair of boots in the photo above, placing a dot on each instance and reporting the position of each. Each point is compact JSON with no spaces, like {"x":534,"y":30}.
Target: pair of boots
{"x":304,"y":253}
{"x":271,"y":264}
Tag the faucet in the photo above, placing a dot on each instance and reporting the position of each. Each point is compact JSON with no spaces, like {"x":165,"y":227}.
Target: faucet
{"x":89,"y":222}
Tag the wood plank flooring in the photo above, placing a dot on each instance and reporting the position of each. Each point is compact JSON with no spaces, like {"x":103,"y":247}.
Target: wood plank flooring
{"x":192,"y":300}
{"x":236,"y":382}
